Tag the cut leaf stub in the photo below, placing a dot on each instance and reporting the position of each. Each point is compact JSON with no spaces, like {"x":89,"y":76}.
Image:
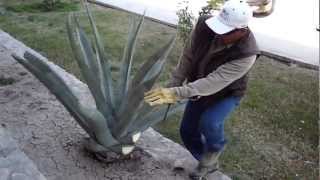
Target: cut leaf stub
{"x":127,"y":150}
{"x":136,"y":137}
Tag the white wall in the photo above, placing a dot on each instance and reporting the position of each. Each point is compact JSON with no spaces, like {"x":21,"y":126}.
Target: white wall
{"x":290,"y":31}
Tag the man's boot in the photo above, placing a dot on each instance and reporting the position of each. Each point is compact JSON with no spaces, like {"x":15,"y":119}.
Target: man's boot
{"x":208,"y":164}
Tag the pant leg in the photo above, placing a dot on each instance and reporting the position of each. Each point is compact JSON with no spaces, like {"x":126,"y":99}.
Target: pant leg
{"x":189,"y":129}
{"x":212,"y":123}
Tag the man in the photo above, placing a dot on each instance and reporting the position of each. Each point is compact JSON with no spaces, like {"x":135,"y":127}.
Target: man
{"x":215,"y":64}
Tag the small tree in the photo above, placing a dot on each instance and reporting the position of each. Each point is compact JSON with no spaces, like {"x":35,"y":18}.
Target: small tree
{"x":211,"y":6}
{"x":186,"y":20}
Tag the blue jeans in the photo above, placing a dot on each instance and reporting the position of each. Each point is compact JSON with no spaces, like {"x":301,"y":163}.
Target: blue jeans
{"x":202,"y":128}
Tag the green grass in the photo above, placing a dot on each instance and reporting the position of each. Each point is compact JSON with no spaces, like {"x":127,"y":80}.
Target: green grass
{"x":37,"y":7}
{"x":272,"y":135}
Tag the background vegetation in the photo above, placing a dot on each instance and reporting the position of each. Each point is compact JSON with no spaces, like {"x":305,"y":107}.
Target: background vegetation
{"x":187,"y":19}
{"x":42,"y":6}
{"x":272,"y":135}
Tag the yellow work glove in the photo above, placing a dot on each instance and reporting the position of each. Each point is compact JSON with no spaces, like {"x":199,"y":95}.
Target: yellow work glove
{"x":160,"y":96}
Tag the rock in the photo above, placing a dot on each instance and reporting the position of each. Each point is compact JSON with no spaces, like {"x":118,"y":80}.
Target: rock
{"x":20,"y":176}
{"x":13,"y":160}
{"x":5,"y":173}
{"x":218,"y":176}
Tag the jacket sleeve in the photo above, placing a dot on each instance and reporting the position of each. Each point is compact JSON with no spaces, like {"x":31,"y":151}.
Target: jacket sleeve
{"x":217,"y":80}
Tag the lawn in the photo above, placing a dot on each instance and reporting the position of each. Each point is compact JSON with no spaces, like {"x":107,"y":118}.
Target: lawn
{"x":272,"y":135}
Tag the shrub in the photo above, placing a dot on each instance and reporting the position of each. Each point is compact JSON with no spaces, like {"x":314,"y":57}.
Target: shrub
{"x":211,"y":5}
{"x":120,"y":114}
{"x":44,"y":6}
{"x":186,"y":21}
{"x":49,"y":5}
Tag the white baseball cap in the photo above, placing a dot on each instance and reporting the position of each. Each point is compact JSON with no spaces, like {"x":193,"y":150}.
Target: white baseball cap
{"x":235,"y":14}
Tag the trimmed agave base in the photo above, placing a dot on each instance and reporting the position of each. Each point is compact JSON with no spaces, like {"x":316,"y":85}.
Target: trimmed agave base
{"x":107,"y":156}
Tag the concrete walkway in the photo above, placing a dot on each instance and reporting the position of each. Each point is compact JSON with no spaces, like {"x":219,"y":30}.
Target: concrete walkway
{"x":290,"y":32}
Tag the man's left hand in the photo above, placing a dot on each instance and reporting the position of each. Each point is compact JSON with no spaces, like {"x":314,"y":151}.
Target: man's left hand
{"x":160,"y":96}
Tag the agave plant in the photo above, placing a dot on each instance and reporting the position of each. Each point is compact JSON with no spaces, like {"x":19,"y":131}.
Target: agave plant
{"x":120,"y":114}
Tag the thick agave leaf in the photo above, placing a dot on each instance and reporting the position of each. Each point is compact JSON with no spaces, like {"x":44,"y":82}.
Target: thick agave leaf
{"x":153,"y":72}
{"x":56,"y":85}
{"x":128,"y":54}
{"x":134,"y":100}
{"x":144,"y":121}
{"x":87,"y":61}
{"x":91,"y":63}
{"x":151,"y":67}
{"x":127,"y":113}
{"x":103,"y":62}
{"x":82,"y":52}
{"x":130,"y":139}
{"x":134,"y":104}
{"x":91,"y":120}
{"x":99,"y":127}
{"x":93,"y":146}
